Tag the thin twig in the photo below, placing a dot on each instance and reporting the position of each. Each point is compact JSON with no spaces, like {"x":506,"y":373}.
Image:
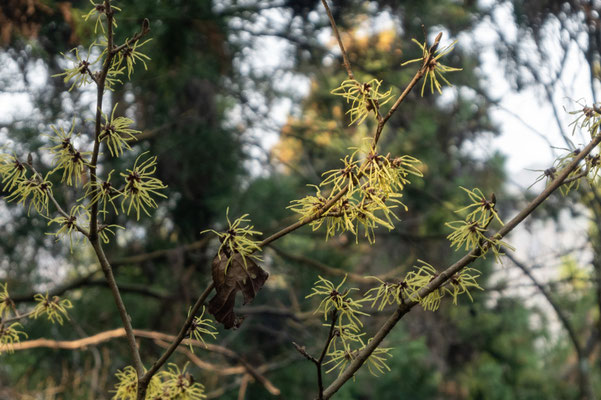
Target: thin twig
{"x":416,"y":78}
{"x":347,"y":63}
{"x":16,"y":318}
{"x":145,"y":29}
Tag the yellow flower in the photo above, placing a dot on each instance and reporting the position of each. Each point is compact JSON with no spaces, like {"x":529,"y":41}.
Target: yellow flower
{"x":102,"y":192}
{"x":364,"y":97}
{"x":127,"y":386}
{"x":347,"y":308}
{"x":80,"y":72}
{"x":461,"y":283}
{"x":419,"y":278}
{"x":201,"y":326}
{"x":180,"y":385}
{"x":55,"y":308}
{"x":98,"y":11}
{"x":588,"y":118}
{"x":12,"y":171}
{"x":116,"y":133}
{"x":386,"y":293}
{"x":140,"y":185}
{"x":340,"y":178}
{"x":481,"y":209}
{"x":130,"y":55}
{"x":35,"y":190}
{"x":68,"y":224}
{"x":434,"y":69}
{"x":237,"y":239}
{"x":9,"y":335}
{"x":5,"y":301}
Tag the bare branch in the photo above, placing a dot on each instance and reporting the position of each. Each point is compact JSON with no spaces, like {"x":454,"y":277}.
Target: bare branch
{"x":347,"y":63}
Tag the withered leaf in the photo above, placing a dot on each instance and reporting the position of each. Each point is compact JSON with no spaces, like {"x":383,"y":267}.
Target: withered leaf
{"x":248,"y":279}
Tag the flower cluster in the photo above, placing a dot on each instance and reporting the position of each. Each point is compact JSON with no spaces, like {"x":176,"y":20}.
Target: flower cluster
{"x":69,"y":223}
{"x":127,"y":385}
{"x":11,"y":171}
{"x":10,"y":335}
{"x":6,"y":304}
{"x":471,"y":232}
{"x":98,"y":11}
{"x":34,"y":190}
{"x":434,"y":69}
{"x":116,"y":133}
{"x":371,"y":194}
{"x":66,"y":157}
{"x":140,"y":185}
{"x":80,"y":72}
{"x":139,"y":188}
{"x":347,"y":340}
{"x":335,"y":300}
{"x":397,"y":293}
{"x":364,"y":97}
{"x":237,"y":239}
{"x":200,"y":327}
{"x":376,"y":362}
{"x":172,"y":384}
{"x":588,"y":118}
{"x":123,"y":57}
{"x":55,"y":309}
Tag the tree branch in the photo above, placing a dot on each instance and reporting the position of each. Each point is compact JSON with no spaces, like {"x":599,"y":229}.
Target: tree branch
{"x":144,"y":379}
{"x":453,"y":269}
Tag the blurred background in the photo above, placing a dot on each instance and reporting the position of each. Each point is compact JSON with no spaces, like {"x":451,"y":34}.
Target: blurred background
{"x":236,"y":104}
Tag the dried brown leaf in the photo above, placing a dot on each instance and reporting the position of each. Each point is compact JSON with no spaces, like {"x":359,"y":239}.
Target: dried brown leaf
{"x":248,"y":279}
